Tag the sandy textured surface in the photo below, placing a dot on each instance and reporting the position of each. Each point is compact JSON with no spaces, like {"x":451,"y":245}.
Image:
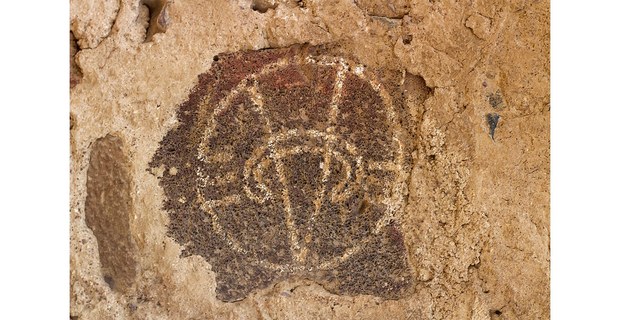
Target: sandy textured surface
{"x":475,"y":79}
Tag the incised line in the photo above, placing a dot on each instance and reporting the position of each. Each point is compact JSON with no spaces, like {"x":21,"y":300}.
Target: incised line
{"x":328,"y":144}
{"x":257,"y":98}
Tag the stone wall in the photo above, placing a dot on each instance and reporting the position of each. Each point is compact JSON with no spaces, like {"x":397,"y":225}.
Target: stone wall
{"x":432,"y":160}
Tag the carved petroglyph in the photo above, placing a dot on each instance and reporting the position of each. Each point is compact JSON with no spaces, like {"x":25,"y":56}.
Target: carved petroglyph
{"x":297,"y":169}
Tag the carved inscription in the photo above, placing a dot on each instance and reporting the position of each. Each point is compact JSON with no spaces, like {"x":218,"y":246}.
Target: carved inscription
{"x":290,"y":163}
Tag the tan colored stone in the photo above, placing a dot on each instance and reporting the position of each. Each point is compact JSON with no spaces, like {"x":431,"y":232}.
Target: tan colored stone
{"x":159,"y":17}
{"x":92,"y":20}
{"x":480,"y":25}
{"x":386,"y":8}
{"x":476,"y":226}
{"x":108,"y":209}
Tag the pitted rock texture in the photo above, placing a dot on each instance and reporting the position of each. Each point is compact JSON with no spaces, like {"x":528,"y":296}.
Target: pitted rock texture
{"x":291,"y":163}
{"x":108,"y":209}
{"x":475,"y":223}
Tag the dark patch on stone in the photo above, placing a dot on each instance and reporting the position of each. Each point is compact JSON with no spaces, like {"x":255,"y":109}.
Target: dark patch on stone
{"x":495,"y":314}
{"x":263,"y":6}
{"x":159,"y":17}
{"x":72,"y":121}
{"x":108,"y":209}
{"x":495,"y":100}
{"x":492,"y":120}
{"x":245,"y":175}
{"x":407,"y":39}
{"x":109,"y":280}
{"x":75,"y":73}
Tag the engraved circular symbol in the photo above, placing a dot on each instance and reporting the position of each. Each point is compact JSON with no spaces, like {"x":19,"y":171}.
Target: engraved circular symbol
{"x":290,"y":164}
{"x":268,"y":156}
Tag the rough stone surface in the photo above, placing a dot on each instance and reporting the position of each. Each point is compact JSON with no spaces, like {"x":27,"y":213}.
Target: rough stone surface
{"x":291,"y":163}
{"x":387,"y":9}
{"x":74,"y":71}
{"x":475,"y":221}
{"x":108,"y":208}
{"x":158,"y":17}
{"x":92,"y":20}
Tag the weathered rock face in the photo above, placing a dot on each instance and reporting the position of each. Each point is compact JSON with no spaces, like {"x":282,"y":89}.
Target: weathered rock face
{"x":309,"y":160}
{"x":291,"y":163}
{"x":108,"y":209}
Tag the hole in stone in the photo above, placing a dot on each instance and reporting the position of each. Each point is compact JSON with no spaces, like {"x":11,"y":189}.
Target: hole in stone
{"x":263,"y":6}
{"x":415,"y":88}
{"x":159,"y":18}
{"x":407,"y":39}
